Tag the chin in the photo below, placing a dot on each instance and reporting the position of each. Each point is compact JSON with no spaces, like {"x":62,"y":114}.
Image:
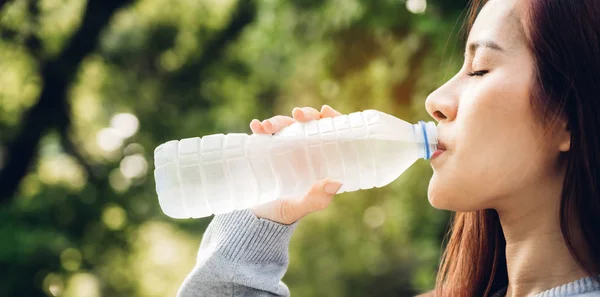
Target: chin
{"x":435,"y":194}
{"x":444,"y":196}
{"x":440,"y":201}
{"x":441,"y":191}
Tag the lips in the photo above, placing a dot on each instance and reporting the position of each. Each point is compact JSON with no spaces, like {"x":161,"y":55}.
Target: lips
{"x":441,"y":146}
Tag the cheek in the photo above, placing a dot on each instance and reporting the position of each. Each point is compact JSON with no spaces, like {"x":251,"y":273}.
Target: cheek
{"x":494,"y":153}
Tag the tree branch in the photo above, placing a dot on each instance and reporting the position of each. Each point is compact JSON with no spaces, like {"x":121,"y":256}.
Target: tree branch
{"x":52,"y":108}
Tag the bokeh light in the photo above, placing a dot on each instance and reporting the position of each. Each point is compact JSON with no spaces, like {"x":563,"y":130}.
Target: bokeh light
{"x":133,"y":166}
{"x":125,"y":123}
{"x":374,"y":216}
{"x":133,"y":148}
{"x":70,"y":259}
{"x":118,"y":181}
{"x":416,"y":6}
{"x":114,"y":217}
{"x":61,"y":169}
{"x":53,"y":284}
{"x":109,"y":139}
{"x":82,"y":284}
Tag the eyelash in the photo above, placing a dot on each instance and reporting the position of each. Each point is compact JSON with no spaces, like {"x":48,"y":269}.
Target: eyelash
{"x":478,"y":73}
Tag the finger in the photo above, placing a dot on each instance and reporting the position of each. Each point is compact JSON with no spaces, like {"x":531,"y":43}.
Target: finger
{"x":320,"y":195}
{"x":278,"y":211}
{"x":257,"y":127}
{"x":306,"y":114}
{"x":328,"y":112}
{"x":276,"y":123}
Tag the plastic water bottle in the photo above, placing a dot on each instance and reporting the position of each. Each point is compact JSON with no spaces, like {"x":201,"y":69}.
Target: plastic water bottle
{"x":198,"y":177}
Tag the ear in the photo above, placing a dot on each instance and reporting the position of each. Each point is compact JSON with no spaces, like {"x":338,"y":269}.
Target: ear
{"x":564,"y":137}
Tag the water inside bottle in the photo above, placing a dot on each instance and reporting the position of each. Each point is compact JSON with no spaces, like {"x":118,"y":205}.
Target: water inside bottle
{"x":358,"y":163}
{"x":219,"y":173}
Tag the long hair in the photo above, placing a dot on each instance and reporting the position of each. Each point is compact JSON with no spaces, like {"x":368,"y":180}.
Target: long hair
{"x":564,"y":38}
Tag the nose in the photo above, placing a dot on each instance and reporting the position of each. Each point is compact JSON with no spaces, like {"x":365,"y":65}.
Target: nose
{"x":442,"y":104}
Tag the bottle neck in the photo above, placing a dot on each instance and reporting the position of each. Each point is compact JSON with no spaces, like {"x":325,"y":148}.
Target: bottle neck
{"x":426,"y":137}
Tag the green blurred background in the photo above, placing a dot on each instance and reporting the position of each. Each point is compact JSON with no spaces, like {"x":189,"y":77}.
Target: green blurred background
{"x":88,"y":89}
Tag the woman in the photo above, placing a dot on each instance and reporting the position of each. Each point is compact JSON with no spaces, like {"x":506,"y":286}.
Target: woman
{"x":519,"y":126}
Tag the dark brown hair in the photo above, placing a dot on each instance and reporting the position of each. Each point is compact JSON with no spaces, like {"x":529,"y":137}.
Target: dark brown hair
{"x":564,"y":38}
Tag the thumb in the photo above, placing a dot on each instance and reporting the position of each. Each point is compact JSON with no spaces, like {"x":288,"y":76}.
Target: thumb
{"x":320,"y":195}
{"x":288,"y":211}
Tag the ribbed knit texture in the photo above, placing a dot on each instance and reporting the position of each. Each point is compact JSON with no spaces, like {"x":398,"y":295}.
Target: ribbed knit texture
{"x":581,"y":287}
{"x":242,"y":255}
{"x":584,"y":287}
{"x":241,"y":236}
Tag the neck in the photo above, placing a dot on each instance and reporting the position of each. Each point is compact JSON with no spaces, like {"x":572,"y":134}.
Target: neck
{"x":537,"y":256}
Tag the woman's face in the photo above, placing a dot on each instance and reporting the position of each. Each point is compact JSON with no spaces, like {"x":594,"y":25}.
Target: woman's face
{"x":495,"y":150}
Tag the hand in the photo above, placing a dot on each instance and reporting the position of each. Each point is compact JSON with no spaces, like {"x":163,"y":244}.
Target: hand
{"x":288,"y":211}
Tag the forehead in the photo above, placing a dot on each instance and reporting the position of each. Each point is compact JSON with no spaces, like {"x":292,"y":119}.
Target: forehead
{"x":499,"y":21}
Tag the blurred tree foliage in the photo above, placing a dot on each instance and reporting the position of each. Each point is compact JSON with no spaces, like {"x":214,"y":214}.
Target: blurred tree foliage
{"x":89,"y":88}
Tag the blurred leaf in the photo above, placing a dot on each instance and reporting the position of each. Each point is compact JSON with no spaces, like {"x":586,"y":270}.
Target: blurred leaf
{"x":86,"y":216}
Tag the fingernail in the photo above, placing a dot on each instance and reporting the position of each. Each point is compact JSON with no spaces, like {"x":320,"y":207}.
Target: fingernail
{"x":268,"y":125}
{"x":330,"y":108}
{"x":300,"y":111}
{"x":332,"y":187}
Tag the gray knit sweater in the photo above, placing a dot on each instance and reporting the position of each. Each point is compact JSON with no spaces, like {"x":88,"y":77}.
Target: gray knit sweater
{"x":242,"y":255}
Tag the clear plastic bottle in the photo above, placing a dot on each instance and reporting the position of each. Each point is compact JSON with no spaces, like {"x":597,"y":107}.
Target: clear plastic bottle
{"x":198,"y":177}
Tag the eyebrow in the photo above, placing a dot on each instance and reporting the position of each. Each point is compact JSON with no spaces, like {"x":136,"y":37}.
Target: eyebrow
{"x":473,"y":46}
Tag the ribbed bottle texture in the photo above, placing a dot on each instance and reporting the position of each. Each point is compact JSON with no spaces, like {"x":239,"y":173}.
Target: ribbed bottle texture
{"x":197,"y":177}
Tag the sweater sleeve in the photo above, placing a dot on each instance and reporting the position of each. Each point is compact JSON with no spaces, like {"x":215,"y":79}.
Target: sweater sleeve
{"x":240,"y":255}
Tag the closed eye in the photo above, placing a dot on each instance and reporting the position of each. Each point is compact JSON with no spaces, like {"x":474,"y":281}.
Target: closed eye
{"x":478,"y":73}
